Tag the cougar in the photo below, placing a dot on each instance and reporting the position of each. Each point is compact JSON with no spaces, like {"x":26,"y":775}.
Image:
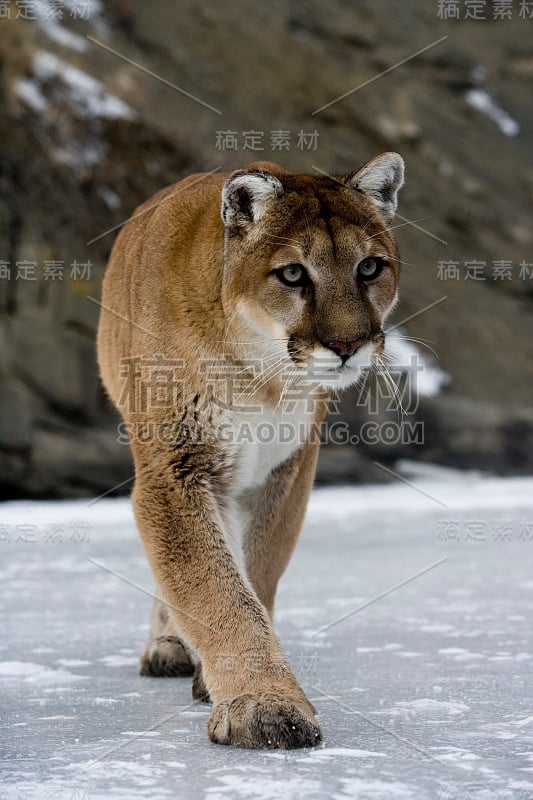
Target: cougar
{"x":233,"y":304}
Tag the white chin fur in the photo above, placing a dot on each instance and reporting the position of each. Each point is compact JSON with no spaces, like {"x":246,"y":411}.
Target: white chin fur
{"x":326,"y":368}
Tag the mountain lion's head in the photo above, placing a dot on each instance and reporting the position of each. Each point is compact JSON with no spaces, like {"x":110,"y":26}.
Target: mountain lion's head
{"x":311,"y":267}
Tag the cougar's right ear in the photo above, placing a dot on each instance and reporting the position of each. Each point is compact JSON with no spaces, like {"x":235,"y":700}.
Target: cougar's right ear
{"x":380,"y":179}
{"x":247,"y":195}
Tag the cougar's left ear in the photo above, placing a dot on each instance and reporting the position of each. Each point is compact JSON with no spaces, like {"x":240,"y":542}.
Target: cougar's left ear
{"x":381,"y":179}
{"x":247,"y":195}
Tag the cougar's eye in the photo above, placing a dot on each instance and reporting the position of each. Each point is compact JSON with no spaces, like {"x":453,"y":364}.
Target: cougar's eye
{"x":369,"y":268}
{"x":293,"y":275}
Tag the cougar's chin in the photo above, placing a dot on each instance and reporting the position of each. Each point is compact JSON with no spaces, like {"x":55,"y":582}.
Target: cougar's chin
{"x":329,"y":370}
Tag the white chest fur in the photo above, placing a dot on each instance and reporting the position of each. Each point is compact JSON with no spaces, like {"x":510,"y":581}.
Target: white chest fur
{"x":263,"y":439}
{"x":259,"y":441}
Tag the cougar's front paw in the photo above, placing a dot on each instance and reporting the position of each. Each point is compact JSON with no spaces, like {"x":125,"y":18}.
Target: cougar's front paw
{"x":165,"y":657}
{"x":267,"y":721}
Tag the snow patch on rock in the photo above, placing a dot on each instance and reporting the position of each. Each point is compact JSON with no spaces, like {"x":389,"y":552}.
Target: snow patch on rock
{"x":29,"y":91}
{"x":483,"y":102}
{"x":87,"y":96}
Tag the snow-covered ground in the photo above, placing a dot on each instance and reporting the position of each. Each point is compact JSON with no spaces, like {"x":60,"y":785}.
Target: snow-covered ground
{"x":406,"y":613}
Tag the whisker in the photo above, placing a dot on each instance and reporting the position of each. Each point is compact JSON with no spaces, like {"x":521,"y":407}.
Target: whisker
{"x":369,"y":222}
{"x":386,"y":377}
{"x":275,"y":373}
{"x":414,"y":338}
{"x":285,"y":386}
{"x":256,"y":343}
{"x":422,"y":342}
{"x":397,"y":395}
{"x":226,"y":329}
{"x":417,"y":338}
{"x":427,"y":346}
{"x":259,"y":361}
{"x":263,"y":378}
{"x":297,"y":377}
{"x":289,"y":383}
{"x":392,"y":386}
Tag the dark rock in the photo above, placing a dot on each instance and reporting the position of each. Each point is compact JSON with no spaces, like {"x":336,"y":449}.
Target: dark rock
{"x":71,"y":176}
{"x":15,"y":416}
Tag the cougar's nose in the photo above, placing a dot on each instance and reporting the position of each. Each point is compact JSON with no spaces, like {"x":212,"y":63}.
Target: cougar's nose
{"x":346,"y":349}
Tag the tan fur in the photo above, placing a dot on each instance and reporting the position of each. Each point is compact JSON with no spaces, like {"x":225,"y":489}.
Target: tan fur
{"x":200,"y":297}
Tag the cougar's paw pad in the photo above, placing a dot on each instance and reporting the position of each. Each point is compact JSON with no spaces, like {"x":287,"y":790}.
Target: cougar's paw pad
{"x":267,"y":721}
{"x":165,"y":657}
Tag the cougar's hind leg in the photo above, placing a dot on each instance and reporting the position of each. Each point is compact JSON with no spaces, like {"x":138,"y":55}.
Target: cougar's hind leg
{"x":165,"y":655}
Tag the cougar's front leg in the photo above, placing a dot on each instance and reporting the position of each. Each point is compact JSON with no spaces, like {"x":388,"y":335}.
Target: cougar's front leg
{"x":257,"y":701}
{"x":275,"y":514}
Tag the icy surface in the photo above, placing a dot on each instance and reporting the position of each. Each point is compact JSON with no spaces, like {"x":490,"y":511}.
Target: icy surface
{"x":423,"y":691}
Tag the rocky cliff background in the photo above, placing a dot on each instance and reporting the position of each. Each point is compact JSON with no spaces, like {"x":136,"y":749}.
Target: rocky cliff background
{"x":103,"y":103}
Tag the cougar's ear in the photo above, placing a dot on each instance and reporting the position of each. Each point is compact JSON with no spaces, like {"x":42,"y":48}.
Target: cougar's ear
{"x":381,"y":179}
{"x":247,"y":195}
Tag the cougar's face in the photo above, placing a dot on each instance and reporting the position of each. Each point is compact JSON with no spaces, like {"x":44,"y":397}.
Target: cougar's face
{"x":312,"y":268}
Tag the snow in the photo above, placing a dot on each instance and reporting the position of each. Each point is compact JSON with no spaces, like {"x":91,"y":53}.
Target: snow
{"x":57,"y":82}
{"x":260,"y":787}
{"x":458,"y":490}
{"x":49,"y":19}
{"x":358,"y":789}
{"x":116,"y":511}
{"x":457,"y":715}
{"x":119,"y":660}
{"x":470,"y":493}
{"x":327,"y":755}
{"x":50,"y":16}
{"x":483,"y":102}
{"x":30,"y":92}
{"x":525,"y":721}
{"x":77,"y":154}
{"x":64,"y":37}
{"x":36,"y":673}
{"x":430,"y":706}
{"x":87,"y":96}
{"x":110,"y":197}
{"x":95,"y":16}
